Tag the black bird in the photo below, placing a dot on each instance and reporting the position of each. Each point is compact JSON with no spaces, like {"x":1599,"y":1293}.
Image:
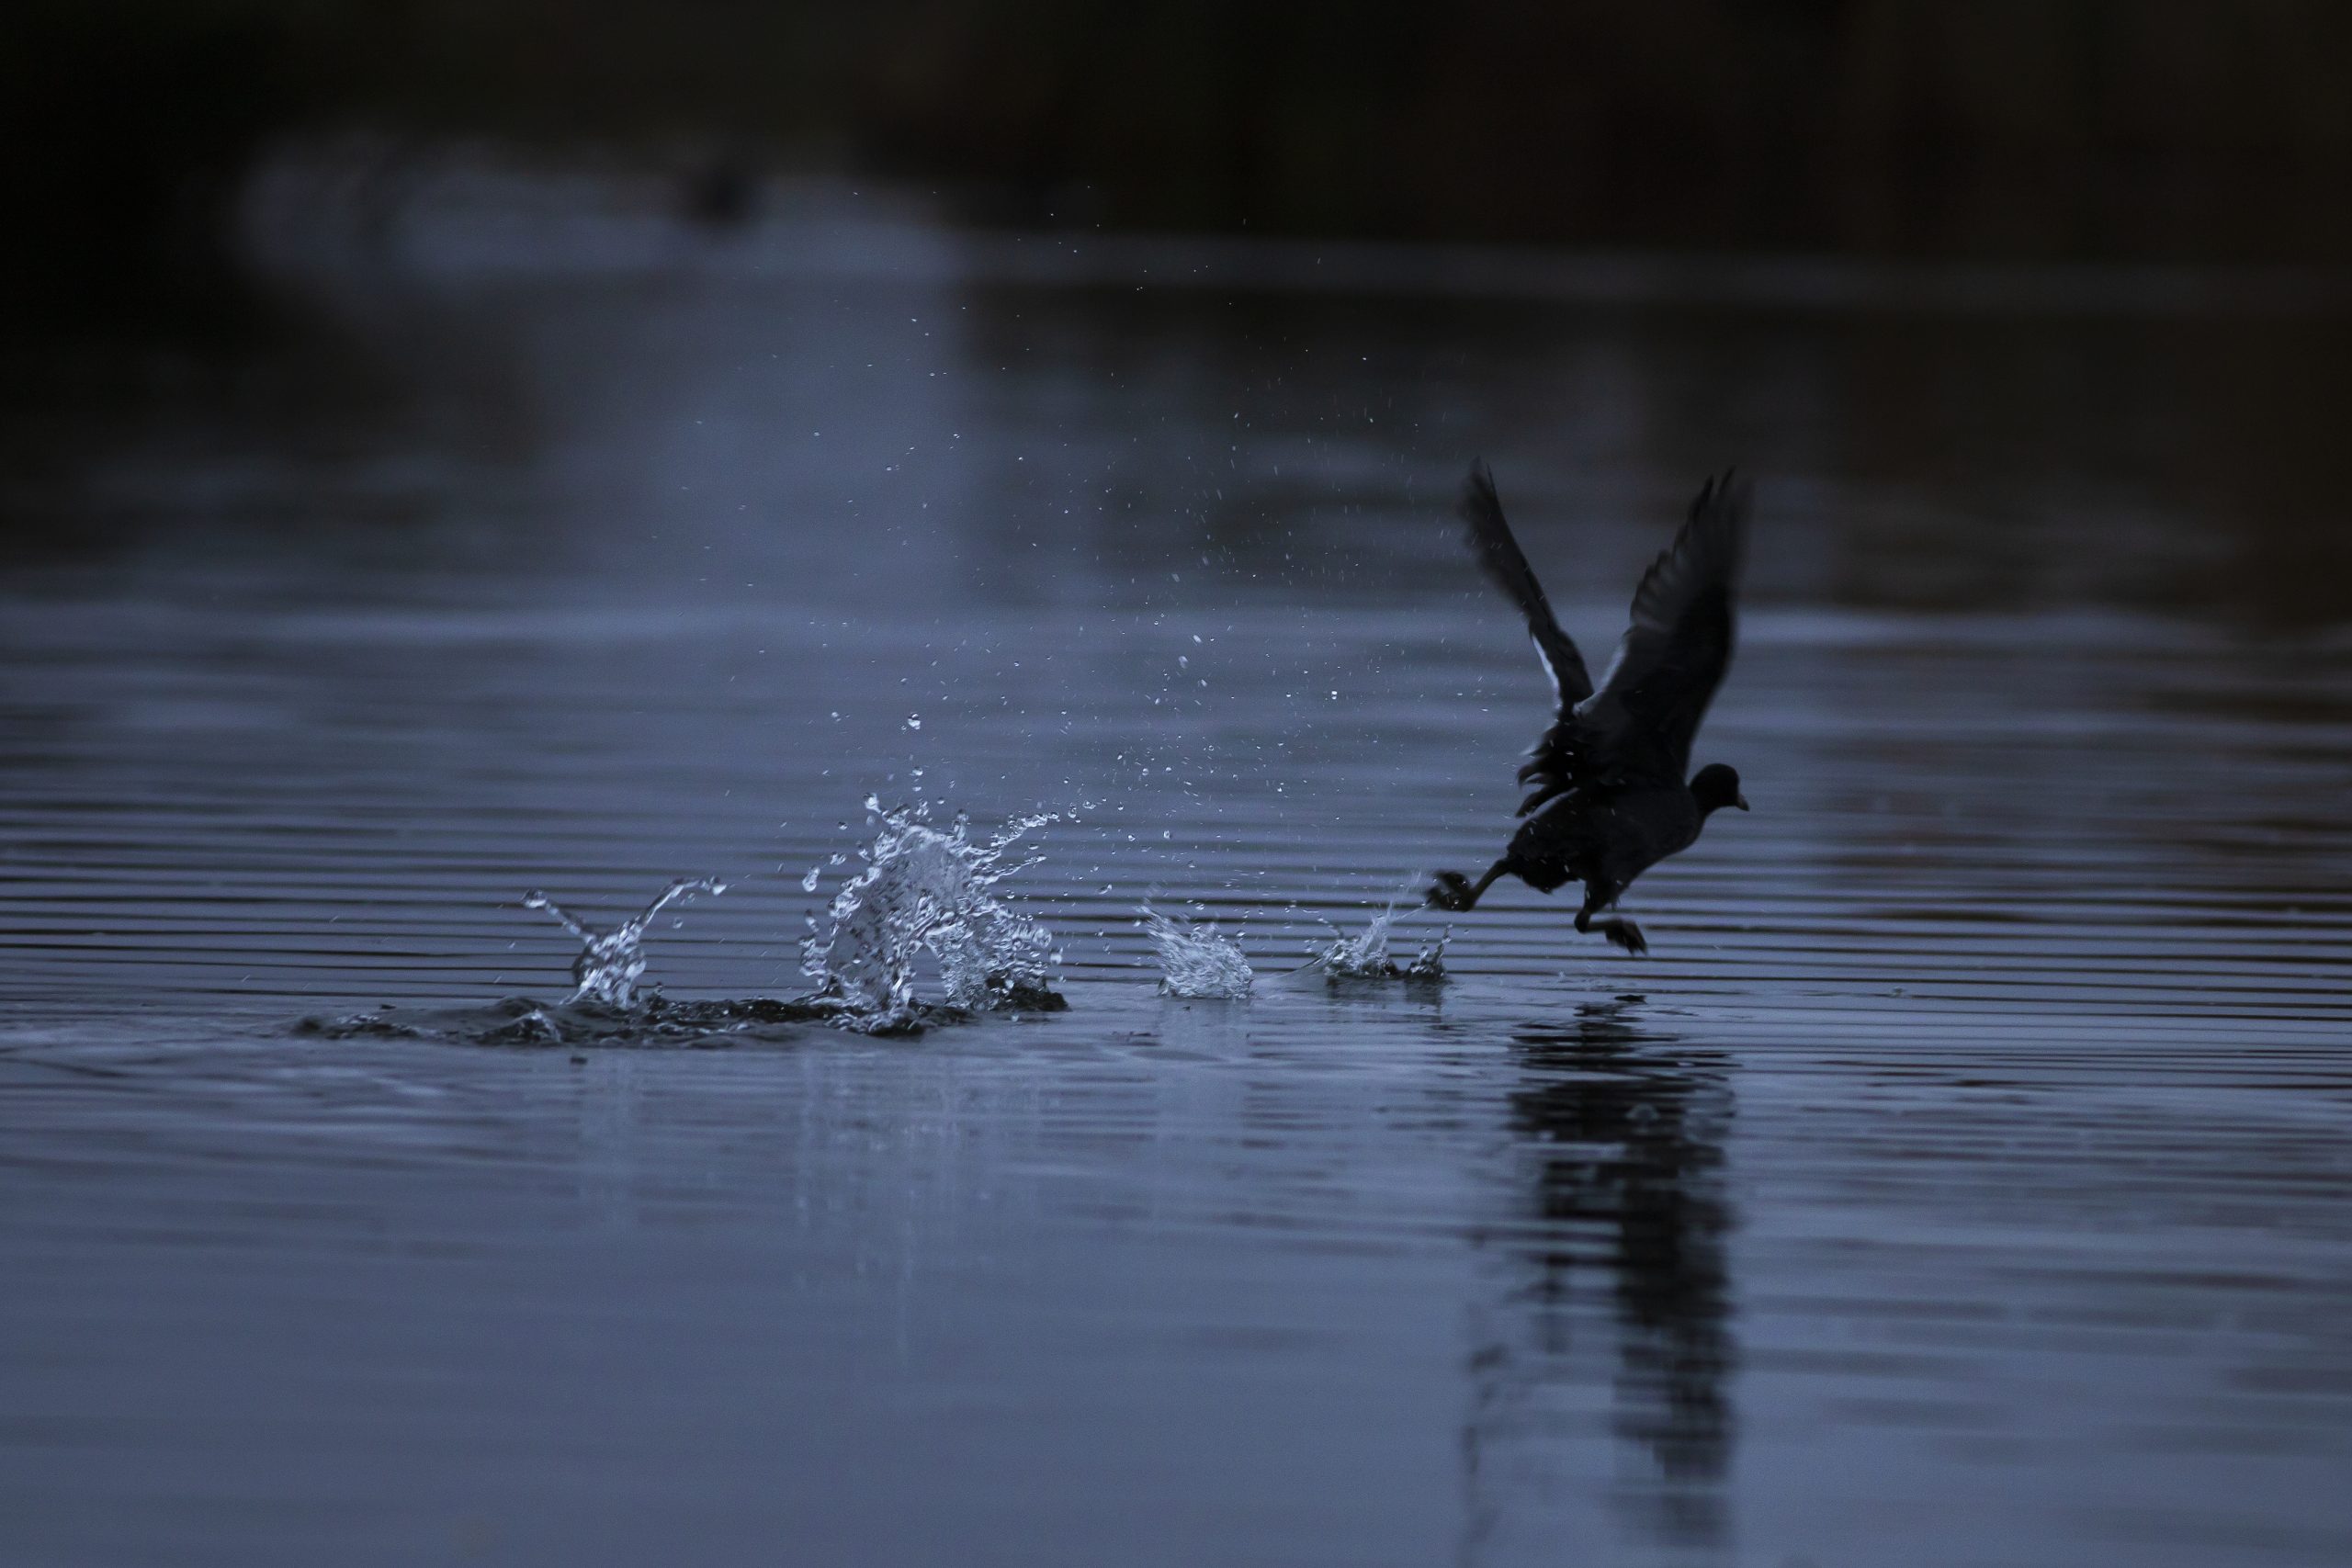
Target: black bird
{"x":1607,"y":798}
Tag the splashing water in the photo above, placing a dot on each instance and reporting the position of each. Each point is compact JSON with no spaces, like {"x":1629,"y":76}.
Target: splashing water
{"x":1365,"y":956}
{"x":611,"y":962}
{"x":924,"y":891}
{"x":1197,"y":961}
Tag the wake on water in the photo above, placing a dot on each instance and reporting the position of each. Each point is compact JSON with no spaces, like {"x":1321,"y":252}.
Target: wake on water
{"x":923,"y":893}
{"x":924,"y":896}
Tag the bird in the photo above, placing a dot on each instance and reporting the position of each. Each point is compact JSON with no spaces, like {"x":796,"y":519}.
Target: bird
{"x":1607,"y":795}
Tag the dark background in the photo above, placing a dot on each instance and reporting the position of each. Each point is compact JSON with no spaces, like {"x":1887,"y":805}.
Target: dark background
{"x":2203,"y":131}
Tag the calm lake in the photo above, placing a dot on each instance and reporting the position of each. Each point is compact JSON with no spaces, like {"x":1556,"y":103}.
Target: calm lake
{"x":1963,"y":1178}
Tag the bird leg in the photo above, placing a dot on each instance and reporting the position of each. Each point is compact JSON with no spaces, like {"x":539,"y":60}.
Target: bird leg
{"x":1456,"y":893}
{"x":1619,"y":932}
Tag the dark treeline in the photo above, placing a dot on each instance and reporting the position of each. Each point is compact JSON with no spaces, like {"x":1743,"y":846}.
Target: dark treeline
{"x":2205,"y":129}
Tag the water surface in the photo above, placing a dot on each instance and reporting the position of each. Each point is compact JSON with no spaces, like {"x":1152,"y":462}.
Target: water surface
{"x":1962,"y":1177}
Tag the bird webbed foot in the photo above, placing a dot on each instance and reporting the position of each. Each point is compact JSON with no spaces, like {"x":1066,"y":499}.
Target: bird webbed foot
{"x":1625,"y":935}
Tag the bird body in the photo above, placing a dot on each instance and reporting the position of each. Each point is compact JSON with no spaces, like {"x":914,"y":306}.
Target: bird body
{"x":1602,"y":836}
{"x":1607,"y":796}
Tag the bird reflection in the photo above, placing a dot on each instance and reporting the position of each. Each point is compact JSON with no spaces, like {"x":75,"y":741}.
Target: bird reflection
{"x":1620,"y":1136}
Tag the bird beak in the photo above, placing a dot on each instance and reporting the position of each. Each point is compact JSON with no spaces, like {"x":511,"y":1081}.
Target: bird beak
{"x":1740,"y":801}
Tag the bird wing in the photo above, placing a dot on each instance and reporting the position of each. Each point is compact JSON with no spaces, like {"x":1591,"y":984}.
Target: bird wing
{"x":1639,"y":724}
{"x":1505,"y":565}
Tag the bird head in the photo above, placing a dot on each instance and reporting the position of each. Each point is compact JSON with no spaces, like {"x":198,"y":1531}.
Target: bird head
{"x":1715,"y":786}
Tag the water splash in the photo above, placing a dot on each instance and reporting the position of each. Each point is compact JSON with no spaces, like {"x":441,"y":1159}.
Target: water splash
{"x":928,"y":892}
{"x":1365,"y":956}
{"x":1195,"y":961}
{"x":611,"y":962}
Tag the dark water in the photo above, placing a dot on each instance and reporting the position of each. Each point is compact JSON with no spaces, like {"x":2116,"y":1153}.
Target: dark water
{"x":1963,"y":1179}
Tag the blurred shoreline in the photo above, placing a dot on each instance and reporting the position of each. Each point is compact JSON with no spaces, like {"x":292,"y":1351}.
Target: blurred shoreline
{"x":468,"y":325}
{"x":473,"y":210}
{"x":2183,"y":132}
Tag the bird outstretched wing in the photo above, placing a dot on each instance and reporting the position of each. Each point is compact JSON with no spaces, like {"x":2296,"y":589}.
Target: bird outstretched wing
{"x":1506,"y":567}
{"x":1637,"y":727}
